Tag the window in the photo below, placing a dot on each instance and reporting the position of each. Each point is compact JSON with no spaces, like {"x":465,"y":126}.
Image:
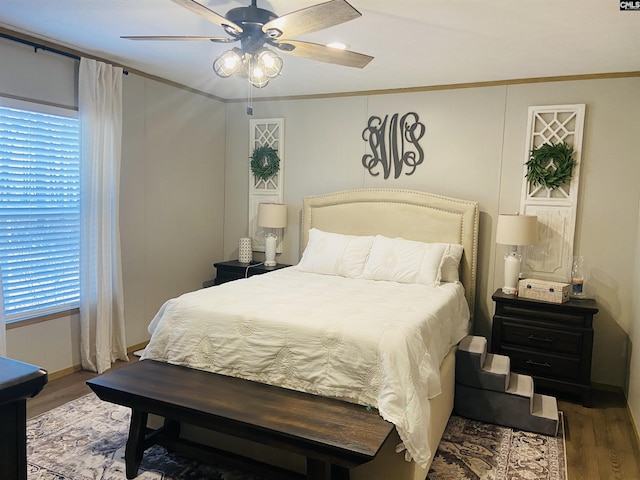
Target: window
{"x":39,"y":209}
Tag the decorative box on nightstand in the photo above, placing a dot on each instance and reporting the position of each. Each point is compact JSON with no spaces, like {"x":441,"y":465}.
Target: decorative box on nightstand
{"x":552,"y":342}
{"x":234,"y":270}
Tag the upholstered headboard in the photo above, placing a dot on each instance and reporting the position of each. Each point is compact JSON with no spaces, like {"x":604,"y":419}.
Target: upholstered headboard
{"x":413,"y":215}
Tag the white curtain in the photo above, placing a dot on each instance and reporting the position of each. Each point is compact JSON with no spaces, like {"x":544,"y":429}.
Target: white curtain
{"x":3,"y":326}
{"x":102,"y":328}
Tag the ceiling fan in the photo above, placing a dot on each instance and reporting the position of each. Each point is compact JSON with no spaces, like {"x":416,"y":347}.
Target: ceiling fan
{"x":256,"y":28}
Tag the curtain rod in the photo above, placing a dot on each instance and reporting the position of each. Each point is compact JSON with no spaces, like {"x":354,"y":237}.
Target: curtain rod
{"x":38,"y":46}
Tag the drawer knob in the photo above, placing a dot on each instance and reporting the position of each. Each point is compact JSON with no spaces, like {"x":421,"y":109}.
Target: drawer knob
{"x":538,"y":339}
{"x":538,"y":364}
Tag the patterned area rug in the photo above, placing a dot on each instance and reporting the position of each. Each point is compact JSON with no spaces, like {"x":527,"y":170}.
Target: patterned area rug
{"x":85,"y":439}
{"x":471,"y":450}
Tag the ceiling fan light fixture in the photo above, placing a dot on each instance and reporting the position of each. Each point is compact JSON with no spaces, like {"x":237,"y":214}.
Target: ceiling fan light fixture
{"x":269,"y":62}
{"x":228,"y":63}
{"x":256,"y":74}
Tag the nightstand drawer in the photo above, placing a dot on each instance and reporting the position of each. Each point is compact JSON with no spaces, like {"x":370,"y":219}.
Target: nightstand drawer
{"x":546,"y":315}
{"x":544,"y":365}
{"x":225,"y":276}
{"x":554,"y":341}
{"x":234,"y":270}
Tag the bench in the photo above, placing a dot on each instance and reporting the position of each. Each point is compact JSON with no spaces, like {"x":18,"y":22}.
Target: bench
{"x":18,"y":381}
{"x":333,"y":435}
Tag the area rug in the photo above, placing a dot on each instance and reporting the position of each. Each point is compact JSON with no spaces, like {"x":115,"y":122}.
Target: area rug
{"x":85,"y":440}
{"x":471,"y":450}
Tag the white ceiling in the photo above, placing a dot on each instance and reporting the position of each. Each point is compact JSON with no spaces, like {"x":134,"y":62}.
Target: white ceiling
{"x":416,"y":43}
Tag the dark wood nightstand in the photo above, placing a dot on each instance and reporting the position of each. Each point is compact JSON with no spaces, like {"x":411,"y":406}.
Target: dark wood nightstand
{"x":552,"y":342}
{"x":234,"y":270}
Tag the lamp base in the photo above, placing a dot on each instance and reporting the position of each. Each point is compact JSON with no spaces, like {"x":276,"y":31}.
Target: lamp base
{"x":270,"y":241}
{"x":511,"y":273}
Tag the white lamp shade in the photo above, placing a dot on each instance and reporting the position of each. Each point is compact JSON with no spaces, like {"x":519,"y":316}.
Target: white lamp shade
{"x":272,"y":215}
{"x":517,"y":229}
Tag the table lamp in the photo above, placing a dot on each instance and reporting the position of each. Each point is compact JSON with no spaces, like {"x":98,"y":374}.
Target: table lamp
{"x":515,"y":230}
{"x":271,"y":216}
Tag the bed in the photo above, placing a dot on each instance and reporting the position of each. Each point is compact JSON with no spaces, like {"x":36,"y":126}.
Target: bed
{"x":358,"y":327}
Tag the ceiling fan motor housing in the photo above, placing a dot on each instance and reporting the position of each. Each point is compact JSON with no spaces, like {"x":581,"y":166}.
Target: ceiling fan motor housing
{"x":251,"y":19}
{"x":245,"y":16}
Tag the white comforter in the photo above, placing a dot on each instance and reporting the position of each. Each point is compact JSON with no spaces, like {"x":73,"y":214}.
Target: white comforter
{"x":374,"y":343}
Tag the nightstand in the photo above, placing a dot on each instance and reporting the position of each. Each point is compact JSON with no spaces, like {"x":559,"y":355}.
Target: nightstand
{"x":552,"y":342}
{"x":234,"y":270}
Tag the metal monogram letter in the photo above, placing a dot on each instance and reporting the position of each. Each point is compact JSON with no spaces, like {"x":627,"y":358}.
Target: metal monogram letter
{"x":402,"y":135}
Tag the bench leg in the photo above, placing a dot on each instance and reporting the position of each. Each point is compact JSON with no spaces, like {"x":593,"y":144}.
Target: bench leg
{"x":135,"y":443}
{"x":171,"y":430}
{"x":13,"y":435}
{"x":339,"y":473}
{"x":318,"y":470}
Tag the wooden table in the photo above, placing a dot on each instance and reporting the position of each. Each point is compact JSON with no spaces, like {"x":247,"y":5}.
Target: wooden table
{"x":333,"y":435}
{"x":18,"y":381}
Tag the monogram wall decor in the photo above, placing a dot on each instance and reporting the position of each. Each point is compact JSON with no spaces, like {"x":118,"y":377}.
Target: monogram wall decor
{"x":394,"y":144}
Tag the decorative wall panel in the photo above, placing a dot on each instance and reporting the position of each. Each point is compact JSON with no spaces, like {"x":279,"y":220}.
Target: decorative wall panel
{"x":556,"y":207}
{"x":270,"y":132}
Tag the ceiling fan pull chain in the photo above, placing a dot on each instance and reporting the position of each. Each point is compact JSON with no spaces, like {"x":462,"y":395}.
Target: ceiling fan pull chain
{"x":249,"y":100}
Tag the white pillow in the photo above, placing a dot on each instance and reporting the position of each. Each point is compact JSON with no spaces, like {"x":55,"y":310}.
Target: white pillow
{"x":408,"y":261}
{"x":335,"y":254}
{"x":450,"y":267}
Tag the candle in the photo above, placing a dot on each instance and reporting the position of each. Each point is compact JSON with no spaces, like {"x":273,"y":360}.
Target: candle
{"x":244,"y":250}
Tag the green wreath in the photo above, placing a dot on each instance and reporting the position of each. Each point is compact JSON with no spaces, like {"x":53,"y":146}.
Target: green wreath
{"x":542,"y":173}
{"x":265,"y":162}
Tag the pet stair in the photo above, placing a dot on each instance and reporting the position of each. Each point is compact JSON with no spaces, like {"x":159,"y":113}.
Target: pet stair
{"x":487,"y":390}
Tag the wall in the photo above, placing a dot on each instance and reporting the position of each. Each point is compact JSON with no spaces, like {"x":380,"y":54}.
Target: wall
{"x":609,"y":198}
{"x":185,"y":187}
{"x":171,"y":215}
{"x":172,"y":192}
{"x":47,"y":78}
{"x":633,"y":395}
{"x":474,"y":149}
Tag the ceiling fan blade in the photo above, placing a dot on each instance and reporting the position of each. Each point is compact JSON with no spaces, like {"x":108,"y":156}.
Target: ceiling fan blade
{"x":210,"y":15}
{"x":311,"y":19}
{"x":322,"y":53}
{"x":181,"y":38}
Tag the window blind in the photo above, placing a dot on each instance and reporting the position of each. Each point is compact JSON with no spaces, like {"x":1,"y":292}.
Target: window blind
{"x":39,"y":211}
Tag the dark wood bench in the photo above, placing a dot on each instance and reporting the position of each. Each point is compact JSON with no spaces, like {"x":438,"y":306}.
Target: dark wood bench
{"x":333,"y":435}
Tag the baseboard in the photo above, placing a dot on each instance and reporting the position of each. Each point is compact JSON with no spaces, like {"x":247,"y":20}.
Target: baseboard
{"x":135,"y":348}
{"x":633,"y":426}
{"x":607,"y":388}
{"x":77,"y":368}
{"x":64,"y":373}
{"x":613,"y":388}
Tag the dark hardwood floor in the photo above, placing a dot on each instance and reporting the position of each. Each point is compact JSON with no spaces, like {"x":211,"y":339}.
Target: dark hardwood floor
{"x":601,"y":442}
{"x":64,"y":389}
